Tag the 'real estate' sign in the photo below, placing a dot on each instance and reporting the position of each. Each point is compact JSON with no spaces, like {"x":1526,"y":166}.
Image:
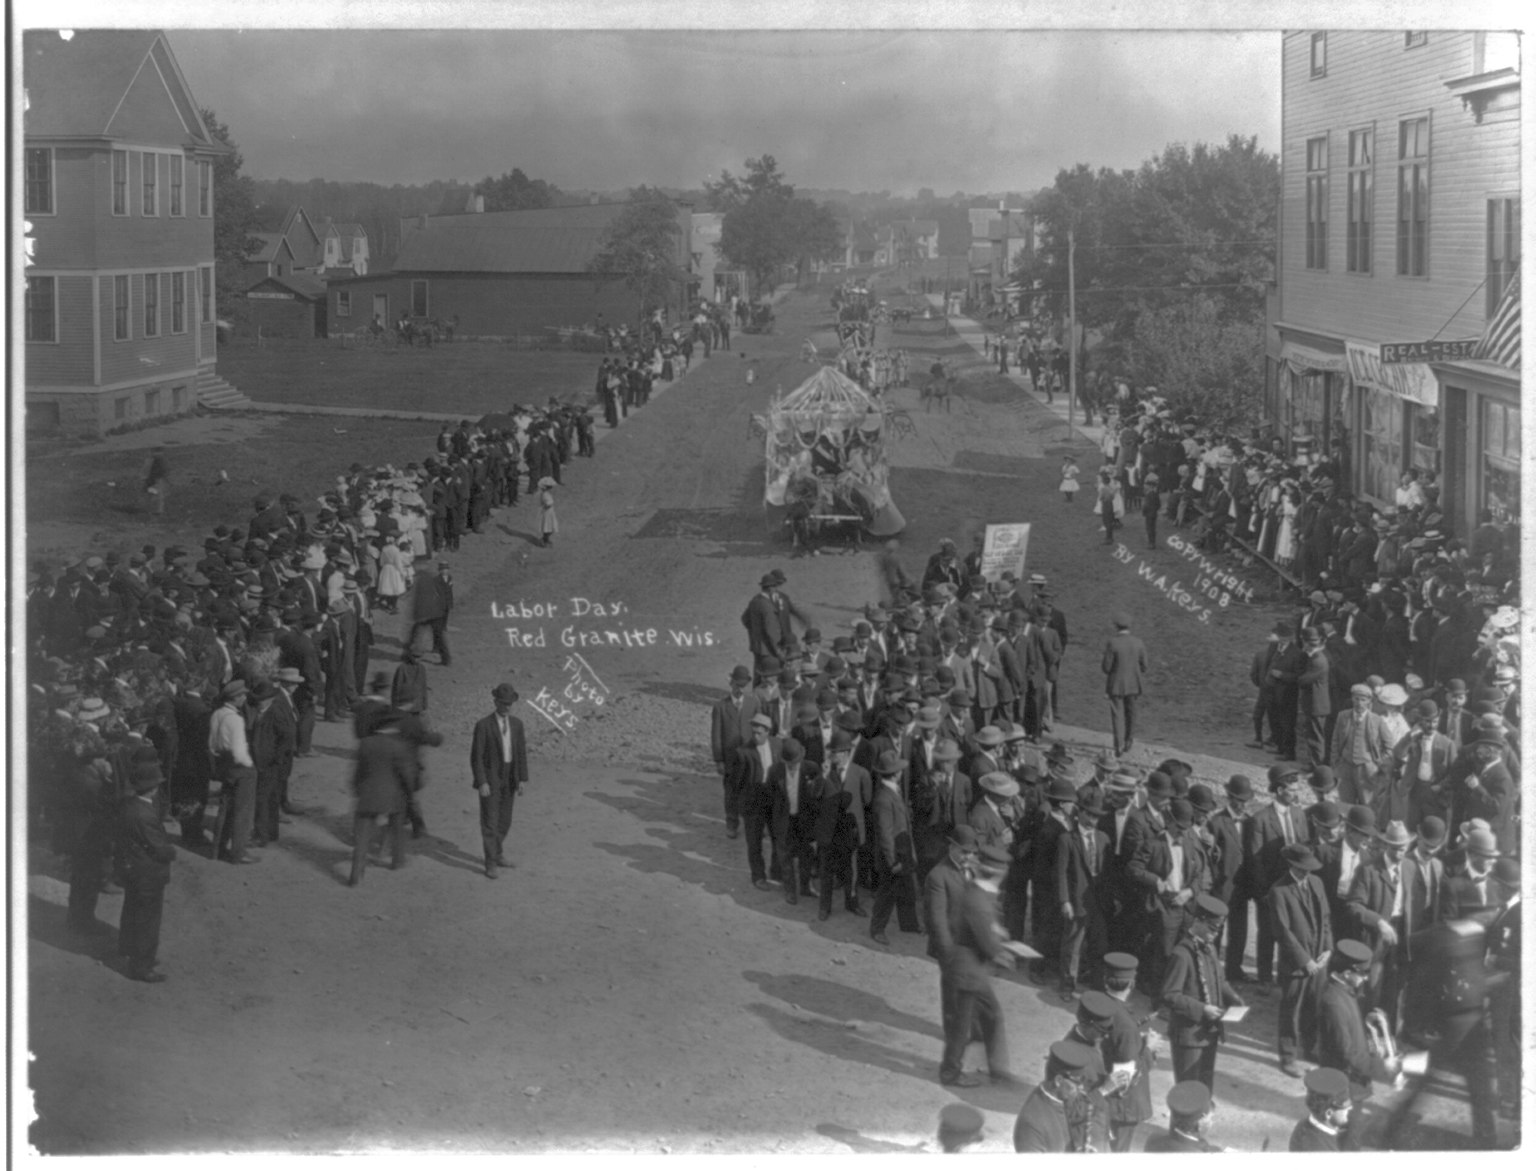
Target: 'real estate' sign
{"x":1003,"y":548}
{"x":1398,"y":353}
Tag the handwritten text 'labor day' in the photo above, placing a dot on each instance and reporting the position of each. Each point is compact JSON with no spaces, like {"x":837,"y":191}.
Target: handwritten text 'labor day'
{"x":606,"y":625}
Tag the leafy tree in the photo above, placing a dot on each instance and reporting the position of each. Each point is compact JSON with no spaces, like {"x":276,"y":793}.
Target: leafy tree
{"x":234,"y":219}
{"x":1206,"y":362}
{"x":812,"y":233}
{"x":514,"y":191}
{"x":644,"y":244}
{"x":752,"y":238}
{"x":761,"y":180}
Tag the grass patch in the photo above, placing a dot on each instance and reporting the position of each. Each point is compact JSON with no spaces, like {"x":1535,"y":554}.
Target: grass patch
{"x":100,"y":488}
{"x":465,"y":378}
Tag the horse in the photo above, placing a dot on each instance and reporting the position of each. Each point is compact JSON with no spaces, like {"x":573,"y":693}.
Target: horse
{"x":939,"y":390}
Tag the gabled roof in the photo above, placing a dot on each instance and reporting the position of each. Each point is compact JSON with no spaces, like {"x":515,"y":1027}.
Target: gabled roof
{"x":295,"y":214}
{"x":76,"y":88}
{"x":271,"y":244}
{"x":304,"y":284}
{"x":344,"y":230}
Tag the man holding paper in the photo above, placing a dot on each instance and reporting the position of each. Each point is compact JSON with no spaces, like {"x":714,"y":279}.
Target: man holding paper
{"x":1197,"y":994}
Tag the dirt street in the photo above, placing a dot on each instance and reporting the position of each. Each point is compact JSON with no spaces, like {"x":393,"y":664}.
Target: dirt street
{"x":624,"y":988}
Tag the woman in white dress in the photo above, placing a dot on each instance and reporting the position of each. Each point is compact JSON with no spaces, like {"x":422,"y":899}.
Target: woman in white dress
{"x":391,"y":576}
{"x":1285,"y":540}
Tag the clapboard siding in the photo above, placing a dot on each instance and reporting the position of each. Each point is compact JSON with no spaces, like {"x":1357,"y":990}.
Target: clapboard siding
{"x":1372,"y":80}
{"x":71,"y":360}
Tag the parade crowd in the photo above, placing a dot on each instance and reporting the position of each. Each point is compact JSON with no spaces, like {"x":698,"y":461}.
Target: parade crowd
{"x":912,"y":760}
{"x":168,"y":682}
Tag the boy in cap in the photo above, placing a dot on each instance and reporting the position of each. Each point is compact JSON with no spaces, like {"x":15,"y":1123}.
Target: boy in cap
{"x":145,"y":855}
{"x":1190,"y":1114}
{"x":1328,"y":1107}
{"x":1341,"y":1037}
{"x":1196,"y":994}
{"x":1298,"y":908}
{"x":960,"y":1126}
{"x":1059,"y":1116}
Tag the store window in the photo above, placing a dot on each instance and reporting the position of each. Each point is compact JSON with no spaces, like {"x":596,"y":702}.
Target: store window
{"x":1424,"y":438}
{"x":1381,"y":443}
{"x":1501,"y":460}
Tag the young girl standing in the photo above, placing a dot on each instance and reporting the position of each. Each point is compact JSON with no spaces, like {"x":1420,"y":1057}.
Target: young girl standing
{"x":548,"y":525}
{"x":1069,"y":474}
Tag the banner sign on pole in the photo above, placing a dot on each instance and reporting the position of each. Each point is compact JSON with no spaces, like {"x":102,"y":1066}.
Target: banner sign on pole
{"x":1003,"y":548}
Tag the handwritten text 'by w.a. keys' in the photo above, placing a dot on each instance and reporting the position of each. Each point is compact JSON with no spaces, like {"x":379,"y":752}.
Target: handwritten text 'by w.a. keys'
{"x":582,"y":687}
{"x":580,"y":623}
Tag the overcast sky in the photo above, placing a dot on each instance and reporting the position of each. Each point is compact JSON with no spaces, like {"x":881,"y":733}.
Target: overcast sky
{"x":865,"y":111}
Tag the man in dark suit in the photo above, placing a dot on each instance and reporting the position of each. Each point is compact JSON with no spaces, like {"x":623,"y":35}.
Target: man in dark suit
{"x":145,"y":855}
{"x":1456,"y":722}
{"x":1169,"y":871}
{"x":1314,"y":702}
{"x":846,"y":790}
{"x":1341,"y":1036}
{"x":1377,"y":905}
{"x":1124,"y":663}
{"x":431,"y":603}
{"x":498,"y":760}
{"x":1299,"y":911}
{"x":296,"y":651}
{"x":765,"y":635}
{"x":748,"y":781}
{"x":1232,"y":875}
{"x":1081,"y":856}
{"x":730,"y":726}
{"x":943,"y":900}
{"x":1122,"y":904}
{"x":1274,"y":827}
{"x":895,"y":855}
{"x":1284,"y":667}
{"x":1196,"y":994}
{"x":1258,"y":675}
{"x":940,"y":800}
{"x":976,"y":946}
{"x":793,"y":785}
{"x":1061,"y":796}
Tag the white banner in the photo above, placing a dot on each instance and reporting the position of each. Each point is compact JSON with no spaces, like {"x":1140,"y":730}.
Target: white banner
{"x":1413,"y":381}
{"x":1003,"y":548}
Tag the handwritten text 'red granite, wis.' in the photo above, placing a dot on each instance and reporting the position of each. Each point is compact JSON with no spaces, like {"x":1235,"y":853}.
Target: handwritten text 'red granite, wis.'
{"x":608,"y":625}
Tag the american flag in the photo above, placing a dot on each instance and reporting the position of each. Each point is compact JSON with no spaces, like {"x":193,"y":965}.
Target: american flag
{"x":1501,"y":340}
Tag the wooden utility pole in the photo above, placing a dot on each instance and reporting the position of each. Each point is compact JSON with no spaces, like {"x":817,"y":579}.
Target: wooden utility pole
{"x":1071,"y":328}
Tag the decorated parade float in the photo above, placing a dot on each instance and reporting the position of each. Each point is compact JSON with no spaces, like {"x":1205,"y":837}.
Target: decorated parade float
{"x":826,"y":465}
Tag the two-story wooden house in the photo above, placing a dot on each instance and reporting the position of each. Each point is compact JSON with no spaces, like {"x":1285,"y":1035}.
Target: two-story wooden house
{"x":345,"y":250}
{"x":1400,"y":233}
{"x":119,"y":321}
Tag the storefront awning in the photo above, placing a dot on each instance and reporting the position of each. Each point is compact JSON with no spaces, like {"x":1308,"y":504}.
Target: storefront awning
{"x":1413,"y":381}
{"x":1308,"y":360}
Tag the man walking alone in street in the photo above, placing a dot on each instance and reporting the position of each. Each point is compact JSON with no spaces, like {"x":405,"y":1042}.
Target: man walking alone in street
{"x":498,"y":759}
{"x":1124,"y":663}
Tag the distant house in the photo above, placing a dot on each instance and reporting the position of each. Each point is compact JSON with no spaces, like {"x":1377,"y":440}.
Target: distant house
{"x":118,"y":195}
{"x":500,"y":273}
{"x":716,"y":280}
{"x":860,"y":247}
{"x":293,"y":306}
{"x":910,"y":240}
{"x":346,"y":251}
{"x":296,"y":246}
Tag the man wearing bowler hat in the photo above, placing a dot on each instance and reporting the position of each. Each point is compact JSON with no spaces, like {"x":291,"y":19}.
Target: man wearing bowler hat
{"x":1313,"y":701}
{"x":1196,"y":994}
{"x":1080,"y":866}
{"x":1298,"y":908}
{"x":1378,"y":909}
{"x":1481,"y":787}
{"x":895,"y":855}
{"x":1169,"y":869}
{"x":1341,"y":1038}
{"x":498,"y":759}
{"x":730,"y":723}
{"x":1274,"y":827}
{"x":145,"y":855}
{"x":846,"y":790}
{"x":765,"y":633}
{"x":748,"y":796}
{"x":793,"y":784}
{"x":1061,"y":797}
{"x":1124,"y":663}
{"x":1328,"y":1108}
{"x":1232,"y":873}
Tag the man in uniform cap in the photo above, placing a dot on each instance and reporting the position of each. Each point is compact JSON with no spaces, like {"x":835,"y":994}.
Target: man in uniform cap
{"x":959,"y":1127}
{"x":1129,"y":1051}
{"x":1058,"y":1117}
{"x":1341,"y":1036}
{"x":498,"y":759}
{"x":1190,"y":1113}
{"x":1197,"y":994}
{"x":1124,"y":664}
{"x":1298,"y":908}
{"x":1328,"y":1109}
{"x":976,"y":947}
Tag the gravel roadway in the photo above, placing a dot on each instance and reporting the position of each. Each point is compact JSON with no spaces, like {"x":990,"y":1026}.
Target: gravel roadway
{"x":624,"y":988}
